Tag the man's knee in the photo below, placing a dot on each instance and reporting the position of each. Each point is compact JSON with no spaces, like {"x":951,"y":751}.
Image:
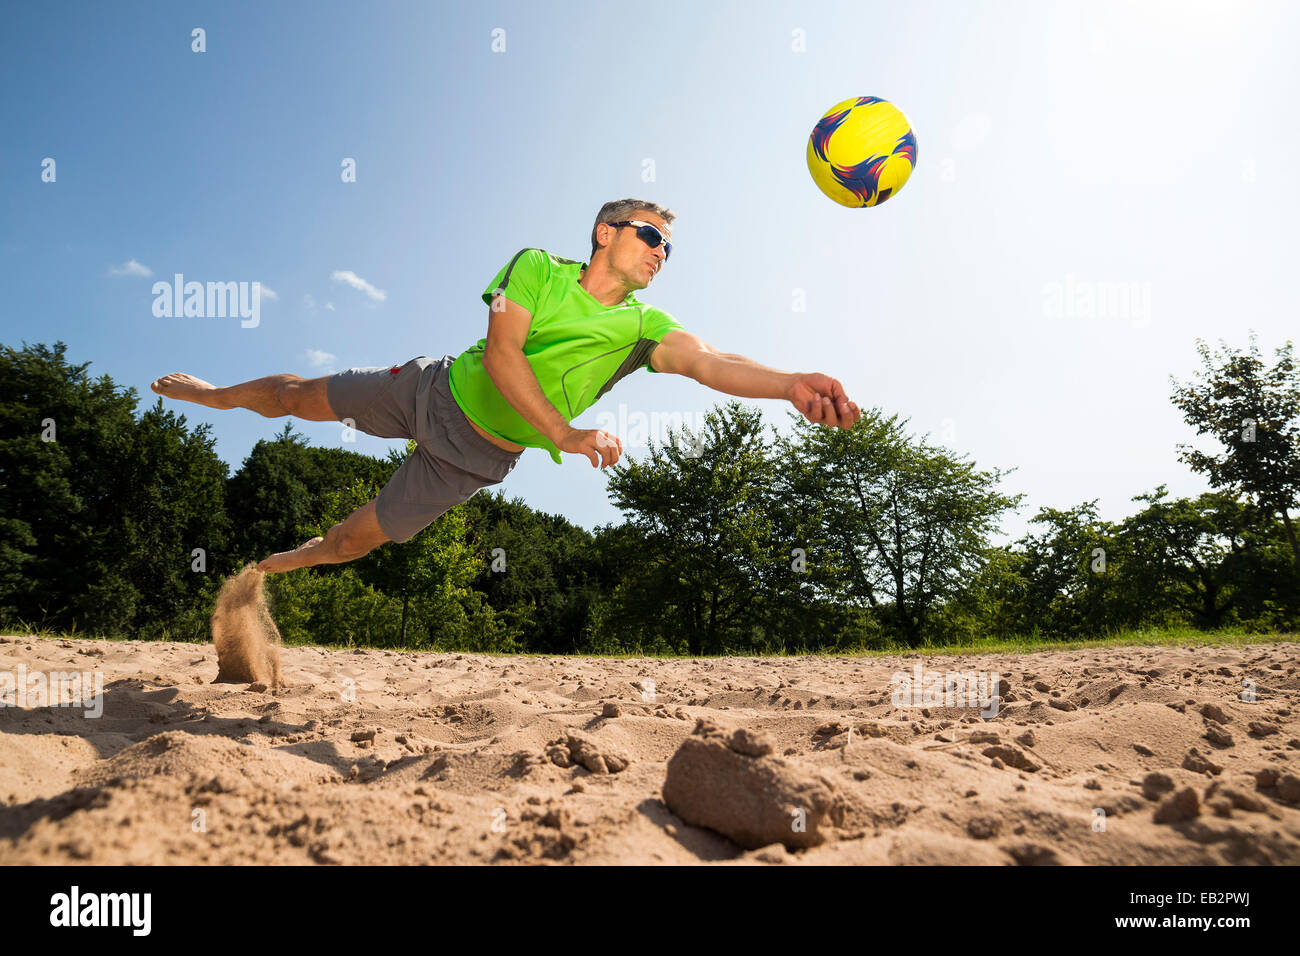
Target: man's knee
{"x":360,"y":533}
{"x":355,"y":546}
{"x":306,"y":398}
{"x":349,"y":543}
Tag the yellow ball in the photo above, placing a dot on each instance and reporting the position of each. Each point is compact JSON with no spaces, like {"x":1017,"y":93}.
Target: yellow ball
{"x":862,"y":151}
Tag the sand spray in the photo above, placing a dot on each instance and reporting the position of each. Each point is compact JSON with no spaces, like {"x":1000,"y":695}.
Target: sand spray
{"x":247,"y":640}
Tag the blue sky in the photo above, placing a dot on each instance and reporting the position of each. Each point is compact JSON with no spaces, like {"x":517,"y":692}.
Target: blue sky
{"x":1064,"y":150}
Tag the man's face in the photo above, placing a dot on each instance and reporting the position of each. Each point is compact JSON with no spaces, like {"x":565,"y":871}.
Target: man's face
{"x":630,"y":258}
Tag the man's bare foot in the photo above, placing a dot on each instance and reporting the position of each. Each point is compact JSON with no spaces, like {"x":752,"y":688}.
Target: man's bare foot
{"x":300,"y":557}
{"x":187,"y":388}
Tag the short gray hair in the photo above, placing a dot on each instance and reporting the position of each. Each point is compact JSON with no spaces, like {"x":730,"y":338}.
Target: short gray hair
{"x":621,"y":209}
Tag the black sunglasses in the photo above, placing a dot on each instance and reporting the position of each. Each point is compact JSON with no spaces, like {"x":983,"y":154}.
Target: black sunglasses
{"x":648,"y":234}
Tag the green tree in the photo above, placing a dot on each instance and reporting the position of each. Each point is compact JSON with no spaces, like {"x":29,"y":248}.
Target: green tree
{"x":542,"y":572}
{"x":700,"y":507}
{"x":906,"y":524}
{"x":169,"y":538}
{"x":992,"y":605}
{"x":1064,"y":568}
{"x":332,"y":609}
{"x":1254,"y":413}
{"x":1192,"y":555}
{"x":101,"y":510}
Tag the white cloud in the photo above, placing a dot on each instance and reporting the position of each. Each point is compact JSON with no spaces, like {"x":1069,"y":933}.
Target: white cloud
{"x":132,"y":268}
{"x":310,"y":302}
{"x":268,"y":293}
{"x":318,"y":359}
{"x":354,"y":280}
{"x":330,"y":306}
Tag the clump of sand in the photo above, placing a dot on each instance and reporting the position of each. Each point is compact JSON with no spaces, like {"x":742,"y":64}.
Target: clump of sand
{"x":246,"y":637}
{"x":731,"y":783}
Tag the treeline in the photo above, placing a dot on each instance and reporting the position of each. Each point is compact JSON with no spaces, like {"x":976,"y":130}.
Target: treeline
{"x":736,"y":540}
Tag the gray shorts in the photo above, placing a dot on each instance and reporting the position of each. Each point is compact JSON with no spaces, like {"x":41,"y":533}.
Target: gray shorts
{"x":451,"y":462}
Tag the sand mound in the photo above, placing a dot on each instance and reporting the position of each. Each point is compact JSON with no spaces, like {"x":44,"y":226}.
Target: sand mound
{"x":728,"y":782}
{"x":246,"y":638}
{"x":215,"y":760}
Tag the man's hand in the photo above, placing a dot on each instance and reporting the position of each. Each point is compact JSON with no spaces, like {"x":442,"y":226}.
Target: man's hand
{"x":822,"y":401}
{"x":592,"y":442}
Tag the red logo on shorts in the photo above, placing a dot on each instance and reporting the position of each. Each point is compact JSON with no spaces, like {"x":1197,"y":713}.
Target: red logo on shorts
{"x":394,"y":370}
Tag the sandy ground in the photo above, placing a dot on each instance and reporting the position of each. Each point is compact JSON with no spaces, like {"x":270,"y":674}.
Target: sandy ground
{"x":1097,"y":757}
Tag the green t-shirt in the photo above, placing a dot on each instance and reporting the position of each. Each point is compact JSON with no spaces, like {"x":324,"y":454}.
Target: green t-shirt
{"x":577,"y":347}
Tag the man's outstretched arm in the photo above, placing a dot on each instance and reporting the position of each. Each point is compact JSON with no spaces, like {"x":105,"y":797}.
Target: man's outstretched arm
{"x":506,"y":365}
{"x":818,"y":397}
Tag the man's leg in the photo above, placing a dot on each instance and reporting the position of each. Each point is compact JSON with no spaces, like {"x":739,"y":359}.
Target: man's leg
{"x":356,"y":535}
{"x":273,"y":396}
